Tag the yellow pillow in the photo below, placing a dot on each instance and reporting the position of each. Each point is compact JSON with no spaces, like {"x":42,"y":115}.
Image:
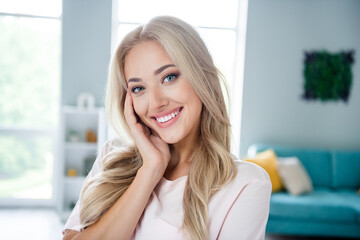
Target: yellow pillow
{"x":268,"y":161}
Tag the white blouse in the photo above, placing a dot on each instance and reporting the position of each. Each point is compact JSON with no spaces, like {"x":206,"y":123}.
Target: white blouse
{"x":238,"y":211}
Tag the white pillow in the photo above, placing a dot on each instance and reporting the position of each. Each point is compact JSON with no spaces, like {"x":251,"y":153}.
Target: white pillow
{"x":294,"y":176}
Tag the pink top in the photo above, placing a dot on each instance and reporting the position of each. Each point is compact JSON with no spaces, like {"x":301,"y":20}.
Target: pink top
{"x":238,"y":211}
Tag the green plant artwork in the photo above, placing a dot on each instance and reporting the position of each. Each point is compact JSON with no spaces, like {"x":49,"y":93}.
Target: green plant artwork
{"x":327,"y":75}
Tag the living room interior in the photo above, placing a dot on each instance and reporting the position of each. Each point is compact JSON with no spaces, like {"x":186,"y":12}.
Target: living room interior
{"x":264,"y":49}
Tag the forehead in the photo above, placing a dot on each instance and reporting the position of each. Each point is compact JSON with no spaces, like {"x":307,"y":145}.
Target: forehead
{"x":145,"y":57}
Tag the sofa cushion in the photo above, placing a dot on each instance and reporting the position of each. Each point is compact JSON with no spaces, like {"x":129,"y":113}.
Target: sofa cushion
{"x":346,"y":169}
{"x":318,"y":163}
{"x":321,"y":205}
{"x":353,"y":198}
{"x":268,"y":161}
{"x":294,"y":176}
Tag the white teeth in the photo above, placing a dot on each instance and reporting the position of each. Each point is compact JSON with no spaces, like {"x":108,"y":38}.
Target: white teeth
{"x":167,"y":117}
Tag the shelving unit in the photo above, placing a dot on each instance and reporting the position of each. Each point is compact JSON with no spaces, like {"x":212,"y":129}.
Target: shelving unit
{"x":75,"y":150}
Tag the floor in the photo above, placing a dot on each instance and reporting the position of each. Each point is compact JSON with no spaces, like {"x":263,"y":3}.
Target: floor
{"x":274,"y":237}
{"x":44,"y":224}
{"x":30,"y":224}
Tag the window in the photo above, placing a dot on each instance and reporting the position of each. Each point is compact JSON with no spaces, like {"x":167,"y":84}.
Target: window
{"x":218,"y":24}
{"x":29,"y":99}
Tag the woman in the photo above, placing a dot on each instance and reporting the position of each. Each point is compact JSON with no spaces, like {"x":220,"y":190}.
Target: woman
{"x":178,"y":179}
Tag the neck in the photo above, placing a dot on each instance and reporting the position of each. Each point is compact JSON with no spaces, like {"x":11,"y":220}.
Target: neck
{"x":180,"y":154}
{"x":180,"y":161}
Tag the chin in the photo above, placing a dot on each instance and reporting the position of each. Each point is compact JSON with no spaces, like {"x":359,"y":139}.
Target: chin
{"x":169,"y":139}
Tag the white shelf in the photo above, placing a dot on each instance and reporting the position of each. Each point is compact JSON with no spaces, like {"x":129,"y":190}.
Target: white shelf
{"x":75,"y":154}
{"x":74,"y":180}
{"x":81,"y":145}
{"x":79,"y":111}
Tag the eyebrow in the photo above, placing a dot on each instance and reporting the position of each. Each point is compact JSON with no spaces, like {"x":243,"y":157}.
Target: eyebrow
{"x":134,"y":80}
{"x":158,"y":71}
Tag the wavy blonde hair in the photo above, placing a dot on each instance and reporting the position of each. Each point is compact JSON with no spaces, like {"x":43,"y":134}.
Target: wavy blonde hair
{"x":212,"y":166}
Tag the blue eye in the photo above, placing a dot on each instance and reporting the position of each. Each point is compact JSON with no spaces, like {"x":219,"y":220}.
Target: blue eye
{"x":170,"y":77}
{"x":137,"y":89}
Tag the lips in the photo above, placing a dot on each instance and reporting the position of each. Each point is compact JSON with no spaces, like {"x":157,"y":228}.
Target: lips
{"x":167,"y":118}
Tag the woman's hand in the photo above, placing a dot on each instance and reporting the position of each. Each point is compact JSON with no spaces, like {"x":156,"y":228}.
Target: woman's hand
{"x":154,"y":151}
{"x":120,"y":221}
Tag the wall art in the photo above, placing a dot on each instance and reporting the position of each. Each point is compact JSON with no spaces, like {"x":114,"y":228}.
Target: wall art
{"x":328,"y":76}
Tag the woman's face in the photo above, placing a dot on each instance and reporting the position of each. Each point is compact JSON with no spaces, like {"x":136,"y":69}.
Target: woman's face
{"x":162,"y":97}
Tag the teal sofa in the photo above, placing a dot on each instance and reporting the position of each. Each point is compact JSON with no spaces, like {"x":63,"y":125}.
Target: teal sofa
{"x":332,"y":209}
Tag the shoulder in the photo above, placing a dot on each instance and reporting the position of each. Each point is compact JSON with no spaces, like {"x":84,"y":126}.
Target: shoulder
{"x":249,"y":176}
{"x":110,"y":146}
{"x":115,"y":144}
{"x":251,"y":183}
{"x":243,"y":204}
{"x":248,"y":172}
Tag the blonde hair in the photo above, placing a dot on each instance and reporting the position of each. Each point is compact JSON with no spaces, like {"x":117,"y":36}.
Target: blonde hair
{"x":212,"y":166}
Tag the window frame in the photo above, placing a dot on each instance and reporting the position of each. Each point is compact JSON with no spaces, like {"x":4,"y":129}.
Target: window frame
{"x":236,"y":92}
{"x":51,"y":132}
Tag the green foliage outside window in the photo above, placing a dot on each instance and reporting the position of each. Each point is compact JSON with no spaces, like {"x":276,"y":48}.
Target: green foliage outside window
{"x":328,"y":76}
{"x":29,"y":99}
{"x":29,"y":72}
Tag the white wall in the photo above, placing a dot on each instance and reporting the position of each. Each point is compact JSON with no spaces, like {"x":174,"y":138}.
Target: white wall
{"x":86,"y":48}
{"x":278,"y":33}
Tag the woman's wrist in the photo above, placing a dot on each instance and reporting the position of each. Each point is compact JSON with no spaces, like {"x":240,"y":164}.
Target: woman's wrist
{"x":152,"y":174}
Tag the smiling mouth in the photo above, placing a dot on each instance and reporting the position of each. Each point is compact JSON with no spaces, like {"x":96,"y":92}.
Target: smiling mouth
{"x":168,"y":117}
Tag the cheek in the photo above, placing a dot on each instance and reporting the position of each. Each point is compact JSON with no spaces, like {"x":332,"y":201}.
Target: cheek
{"x":140,"y":107}
{"x":191,"y":97}
{"x":196,"y":104}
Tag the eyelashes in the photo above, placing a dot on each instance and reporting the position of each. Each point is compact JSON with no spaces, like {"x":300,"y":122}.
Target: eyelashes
{"x":167,"y":79}
{"x":137,"y":89}
{"x":170,"y":77}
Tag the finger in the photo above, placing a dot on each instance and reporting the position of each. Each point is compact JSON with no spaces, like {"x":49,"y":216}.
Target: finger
{"x":162,"y":146}
{"x":146,"y":143}
{"x":138,"y":130}
{"x":129,"y":111}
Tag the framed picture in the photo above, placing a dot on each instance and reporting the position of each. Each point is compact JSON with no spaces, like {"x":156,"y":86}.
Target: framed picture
{"x":328,"y":76}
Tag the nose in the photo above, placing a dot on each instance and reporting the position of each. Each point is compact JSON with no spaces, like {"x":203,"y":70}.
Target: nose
{"x":158,"y":99}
